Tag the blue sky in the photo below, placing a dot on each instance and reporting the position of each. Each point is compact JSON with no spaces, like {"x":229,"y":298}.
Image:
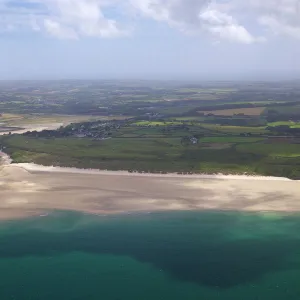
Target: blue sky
{"x":165,"y":39}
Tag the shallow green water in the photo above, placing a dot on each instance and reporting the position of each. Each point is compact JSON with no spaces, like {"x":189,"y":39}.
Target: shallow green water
{"x":174,"y":256}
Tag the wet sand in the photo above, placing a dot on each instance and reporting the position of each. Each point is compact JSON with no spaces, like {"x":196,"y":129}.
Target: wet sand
{"x":27,"y":190}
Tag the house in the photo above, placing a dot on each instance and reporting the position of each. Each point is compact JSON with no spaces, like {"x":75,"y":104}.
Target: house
{"x":246,"y":134}
{"x":194,"y":140}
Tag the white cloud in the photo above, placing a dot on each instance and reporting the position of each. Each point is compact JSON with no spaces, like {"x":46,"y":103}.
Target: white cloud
{"x":72,"y":18}
{"x":230,"y":20}
{"x":278,"y":17}
{"x":279,"y":27}
{"x":56,"y":29}
{"x":282,"y":17}
{"x":225,"y":27}
{"x":14,"y":18}
{"x":195,"y":16}
{"x":64,"y":18}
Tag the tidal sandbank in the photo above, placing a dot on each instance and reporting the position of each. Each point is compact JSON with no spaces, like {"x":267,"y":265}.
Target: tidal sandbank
{"x":28,"y":189}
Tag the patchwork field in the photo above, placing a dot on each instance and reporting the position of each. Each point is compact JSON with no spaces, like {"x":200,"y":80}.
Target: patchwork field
{"x":274,"y":149}
{"x":285,"y":123}
{"x":226,"y":154}
{"x":25,"y":120}
{"x":253,"y":111}
{"x":234,"y":129}
{"x":231,"y":140}
{"x":171,"y":126}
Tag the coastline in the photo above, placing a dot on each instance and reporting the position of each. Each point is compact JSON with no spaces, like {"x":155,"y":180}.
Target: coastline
{"x":33,"y":190}
{"x":4,"y":159}
{"x":32,"y":167}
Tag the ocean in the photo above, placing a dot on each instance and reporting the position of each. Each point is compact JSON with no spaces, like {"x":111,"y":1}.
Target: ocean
{"x":161,"y":256}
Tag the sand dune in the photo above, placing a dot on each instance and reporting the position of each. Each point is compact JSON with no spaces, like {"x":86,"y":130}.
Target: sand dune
{"x":27,"y":189}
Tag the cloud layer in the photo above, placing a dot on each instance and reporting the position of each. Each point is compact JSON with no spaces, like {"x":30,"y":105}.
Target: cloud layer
{"x":223,"y":20}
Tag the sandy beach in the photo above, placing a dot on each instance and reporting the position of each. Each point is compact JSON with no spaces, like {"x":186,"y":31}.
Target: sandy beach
{"x":36,"y":127}
{"x":28,"y":189}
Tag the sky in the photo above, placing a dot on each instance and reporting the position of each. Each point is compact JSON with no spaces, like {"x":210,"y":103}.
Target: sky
{"x":150,"y":39}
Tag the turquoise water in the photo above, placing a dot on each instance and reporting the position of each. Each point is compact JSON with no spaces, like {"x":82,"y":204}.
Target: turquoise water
{"x":161,"y":256}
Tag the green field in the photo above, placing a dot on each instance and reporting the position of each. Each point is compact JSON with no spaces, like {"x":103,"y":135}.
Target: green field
{"x":151,"y":154}
{"x":197,"y":119}
{"x":34,"y":119}
{"x":231,"y":140}
{"x":234,"y":129}
{"x":157,"y":123}
{"x":272,"y":150}
{"x":286,"y":110}
{"x":157,"y":126}
{"x":286,"y":123}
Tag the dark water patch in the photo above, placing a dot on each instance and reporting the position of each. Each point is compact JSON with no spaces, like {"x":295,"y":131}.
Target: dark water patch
{"x":216,"y":250}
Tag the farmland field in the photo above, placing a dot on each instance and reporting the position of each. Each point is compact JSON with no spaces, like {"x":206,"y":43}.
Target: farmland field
{"x":153,"y":126}
{"x":287,"y":123}
{"x":150,"y":153}
{"x":231,"y":140}
{"x":190,"y":119}
{"x":253,"y":111}
{"x":292,"y":110}
{"x":271,"y":149}
{"x":156,"y":123}
{"x":23,"y":120}
{"x":234,"y":129}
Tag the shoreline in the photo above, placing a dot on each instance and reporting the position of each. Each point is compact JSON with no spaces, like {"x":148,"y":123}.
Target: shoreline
{"x":32,"y":167}
{"x":4,"y":159}
{"x":104,"y":214}
{"x":32,"y":190}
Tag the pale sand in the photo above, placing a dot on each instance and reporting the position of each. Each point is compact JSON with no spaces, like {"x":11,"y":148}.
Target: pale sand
{"x":39,"y":168}
{"x":28,"y":189}
{"x":35,"y":127}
